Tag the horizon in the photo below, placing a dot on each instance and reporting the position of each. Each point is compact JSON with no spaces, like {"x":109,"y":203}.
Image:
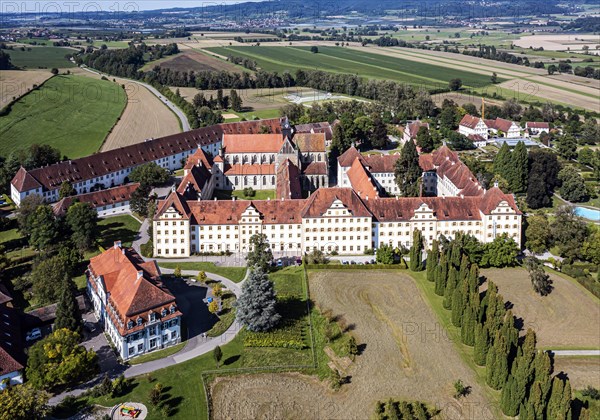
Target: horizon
{"x":30,"y":6}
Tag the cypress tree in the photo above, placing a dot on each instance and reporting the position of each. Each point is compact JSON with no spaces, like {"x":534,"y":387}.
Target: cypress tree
{"x":464,"y":267}
{"x":508,"y":401}
{"x":455,"y":254}
{"x":510,"y":332}
{"x":416,"y":251}
{"x":495,"y":309}
{"x":520,"y":170}
{"x":481,"y":348}
{"x":536,"y":404}
{"x":441,"y":276}
{"x":467,"y":331}
{"x":497,"y":363}
{"x":502,"y":162}
{"x":474,"y":279}
{"x":559,"y":404}
{"x":450,"y":285}
{"x":526,"y":412}
{"x":433,"y":257}
{"x":457,"y":307}
{"x":522,"y":371}
{"x":67,"y":310}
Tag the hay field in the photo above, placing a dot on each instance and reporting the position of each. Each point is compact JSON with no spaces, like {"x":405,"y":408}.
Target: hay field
{"x":195,"y":61}
{"x":145,"y":117}
{"x":406,"y":355}
{"x":16,"y":83}
{"x":570,"y":42}
{"x":567,"y":318}
{"x":42,"y":57}
{"x":582,"y":371}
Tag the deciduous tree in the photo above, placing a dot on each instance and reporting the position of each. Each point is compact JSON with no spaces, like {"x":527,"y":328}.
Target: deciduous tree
{"x":82,"y":219}
{"x":22,"y":402}
{"x":537,"y":234}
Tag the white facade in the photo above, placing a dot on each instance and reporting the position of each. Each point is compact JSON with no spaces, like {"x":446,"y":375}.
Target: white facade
{"x":480,"y":129}
{"x":10,"y":379}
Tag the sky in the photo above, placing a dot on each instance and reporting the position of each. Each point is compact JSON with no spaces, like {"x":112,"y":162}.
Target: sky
{"x":8,"y":6}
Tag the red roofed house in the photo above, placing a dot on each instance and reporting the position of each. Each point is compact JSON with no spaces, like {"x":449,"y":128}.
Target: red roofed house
{"x":138,"y":313}
{"x":537,"y":128}
{"x":472,"y":125}
{"x":507,"y":128}
{"x":106,"y":202}
{"x":10,"y":370}
{"x":412,"y":129}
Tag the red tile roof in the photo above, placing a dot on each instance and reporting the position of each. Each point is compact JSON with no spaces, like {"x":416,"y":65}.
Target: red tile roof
{"x":499,"y":124}
{"x":446,"y":163}
{"x":469,"y":121}
{"x":134,"y":286}
{"x":315,"y":168}
{"x":250,"y":169}
{"x":99,"y":164}
{"x":197,"y":158}
{"x":495,"y":196}
{"x":195,"y":180}
{"x":378,"y":163}
{"x":228,"y":212}
{"x":413,"y":128}
{"x":288,"y":181}
{"x":320,"y":127}
{"x":361,"y":181}
{"x":97,"y":198}
{"x":254,"y":143}
{"x":347,"y":158}
{"x":24,"y":181}
{"x":534,"y":124}
{"x":322,"y":199}
{"x":7,"y":363}
{"x":309,"y":142}
{"x":176,"y":200}
{"x":444,"y":208}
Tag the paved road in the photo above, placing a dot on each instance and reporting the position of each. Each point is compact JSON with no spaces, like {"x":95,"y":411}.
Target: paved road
{"x":575,"y":352}
{"x":180,"y":114}
{"x":194,"y":347}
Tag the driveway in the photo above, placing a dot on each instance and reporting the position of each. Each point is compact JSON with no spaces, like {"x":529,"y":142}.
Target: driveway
{"x":96,"y":340}
{"x":190,"y":301}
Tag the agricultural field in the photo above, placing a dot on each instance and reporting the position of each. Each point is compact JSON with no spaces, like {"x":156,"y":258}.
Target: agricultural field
{"x":561,"y":320}
{"x":582,"y":371}
{"x":71,"y":113}
{"x":41,"y":57}
{"x":366,"y":64}
{"x":145,"y":117}
{"x":16,"y":83}
{"x":406,"y":355}
{"x":570,"y":42}
{"x":193,"y":61}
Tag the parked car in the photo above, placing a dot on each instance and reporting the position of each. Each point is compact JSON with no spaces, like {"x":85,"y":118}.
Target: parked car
{"x":280,"y":263}
{"x":352,"y":262}
{"x":33,"y":335}
{"x":345,"y":262}
{"x":298,"y":261}
{"x":89,"y":326}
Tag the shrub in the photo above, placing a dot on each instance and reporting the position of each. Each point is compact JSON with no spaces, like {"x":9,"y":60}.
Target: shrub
{"x":591,"y":392}
{"x":147,"y":249}
{"x":369,"y":251}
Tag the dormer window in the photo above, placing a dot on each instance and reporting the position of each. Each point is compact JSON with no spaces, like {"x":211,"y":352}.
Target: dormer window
{"x":139,"y":321}
{"x":172,"y":309}
{"x":130,"y":325}
{"x":152,"y":316}
{"x":163,"y":312}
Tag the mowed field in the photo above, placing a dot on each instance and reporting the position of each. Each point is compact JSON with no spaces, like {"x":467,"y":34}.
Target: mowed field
{"x":16,"y":83}
{"x":406,"y":355}
{"x":41,"y":57}
{"x":72,"y":113}
{"x":362,"y":63}
{"x":566,"y":318}
{"x":196,"y":61}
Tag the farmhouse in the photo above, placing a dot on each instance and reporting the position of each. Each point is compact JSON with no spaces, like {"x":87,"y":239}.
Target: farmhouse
{"x":137,"y":312}
{"x":330,"y":219}
{"x":471,"y":126}
{"x":537,"y":128}
{"x":506,"y":128}
{"x":111,"y":168}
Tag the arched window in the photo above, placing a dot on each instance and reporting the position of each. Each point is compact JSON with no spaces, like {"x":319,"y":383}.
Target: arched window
{"x":264,"y":180}
{"x":254,"y":179}
{"x":273,"y":180}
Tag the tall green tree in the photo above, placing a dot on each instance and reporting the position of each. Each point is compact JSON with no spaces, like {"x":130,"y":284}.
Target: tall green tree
{"x":149,"y":174}
{"x":573,"y":186}
{"x":407,"y":171}
{"x":559,"y":403}
{"x":424,"y":140}
{"x":416,"y":251}
{"x":59,"y":360}
{"x":502,"y":162}
{"x":497,"y":362}
{"x":501,"y":252}
{"x":22,"y":402}
{"x":82,"y":219}
{"x":567,"y":147}
{"x":378,"y":136}
{"x":67,"y":310}
{"x":433,"y":256}
{"x":520,"y":168}
{"x":441,"y":276}
{"x":260,"y":254}
{"x":43,"y":228}
{"x":257,"y":305}
{"x":569,"y":232}
{"x":537,"y":233}
{"x":540,"y":280}
{"x":235,"y":100}
{"x":482,"y":345}
{"x":66,"y":190}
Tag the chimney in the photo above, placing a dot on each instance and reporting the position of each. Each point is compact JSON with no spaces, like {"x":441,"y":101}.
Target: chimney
{"x":117,"y":244}
{"x":123,"y":251}
{"x":233,"y":198}
{"x":268,"y":198}
{"x":140,"y":274}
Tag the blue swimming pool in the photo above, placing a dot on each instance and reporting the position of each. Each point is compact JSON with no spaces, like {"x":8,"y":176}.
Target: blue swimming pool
{"x":590,"y":214}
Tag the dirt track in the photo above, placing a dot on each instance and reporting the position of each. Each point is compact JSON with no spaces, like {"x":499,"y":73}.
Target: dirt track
{"x":582,"y":371}
{"x":406,"y":356}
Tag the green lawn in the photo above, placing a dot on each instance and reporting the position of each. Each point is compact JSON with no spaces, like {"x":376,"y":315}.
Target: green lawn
{"x":71,"y":113}
{"x":226,"y":317}
{"x":159,"y":354}
{"x":41,"y":57}
{"x":235,"y":274}
{"x":342,"y":60}
{"x":122,"y":228}
{"x":239,"y":194}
